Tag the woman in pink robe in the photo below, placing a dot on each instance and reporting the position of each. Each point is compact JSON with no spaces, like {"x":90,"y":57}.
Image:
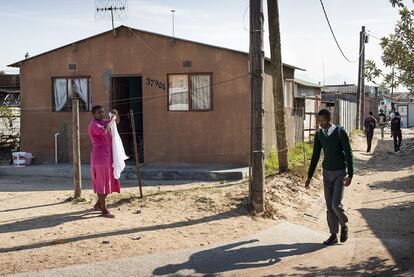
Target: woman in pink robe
{"x":102,"y":172}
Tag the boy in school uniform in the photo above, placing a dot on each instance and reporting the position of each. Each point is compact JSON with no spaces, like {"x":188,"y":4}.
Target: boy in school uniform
{"x":338,"y":171}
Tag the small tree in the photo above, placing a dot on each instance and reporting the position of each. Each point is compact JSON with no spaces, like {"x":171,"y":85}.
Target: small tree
{"x":397,"y":53}
{"x":6,"y":114}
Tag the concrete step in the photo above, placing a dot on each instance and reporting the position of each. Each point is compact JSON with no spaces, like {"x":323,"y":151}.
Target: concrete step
{"x":206,"y":172}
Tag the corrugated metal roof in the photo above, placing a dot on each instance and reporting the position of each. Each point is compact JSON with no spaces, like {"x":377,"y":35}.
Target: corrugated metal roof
{"x":9,"y":91}
{"x":331,"y":97}
{"x":17,"y":64}
{"x":307,"y":84}
{"x":10,"y":81}
{"x":403,"y":97}
{"x":345,"y":89}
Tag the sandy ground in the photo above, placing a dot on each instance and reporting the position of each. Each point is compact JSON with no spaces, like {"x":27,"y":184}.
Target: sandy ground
{"x":39,"y":229}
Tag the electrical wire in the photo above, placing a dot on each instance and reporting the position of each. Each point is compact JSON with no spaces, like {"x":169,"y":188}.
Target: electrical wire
{"x":143,"y":98}
{"x":244,"y":16}
{"x":336,"y":41}
{"x":371,"y":35}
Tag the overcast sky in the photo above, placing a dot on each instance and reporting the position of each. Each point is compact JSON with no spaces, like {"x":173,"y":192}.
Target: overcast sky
{"x":38,"y":26}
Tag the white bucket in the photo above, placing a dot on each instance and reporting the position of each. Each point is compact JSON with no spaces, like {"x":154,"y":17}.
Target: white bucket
{"x":28,"y":158}
{"x":19,"y":159}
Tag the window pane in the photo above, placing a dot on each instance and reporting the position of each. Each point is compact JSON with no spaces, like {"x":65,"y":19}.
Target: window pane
{"x":60,"y":93}
{"x":81,"y":87}
{"x":200,"y":92}
{"x":178,"y":92}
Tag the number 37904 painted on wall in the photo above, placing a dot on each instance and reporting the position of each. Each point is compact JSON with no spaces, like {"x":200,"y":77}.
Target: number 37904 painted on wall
{"x":155,"y":83}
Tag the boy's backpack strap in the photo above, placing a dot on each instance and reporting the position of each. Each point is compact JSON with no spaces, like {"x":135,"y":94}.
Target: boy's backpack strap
{"x":318,"y":134}
{"x":340,"y":128}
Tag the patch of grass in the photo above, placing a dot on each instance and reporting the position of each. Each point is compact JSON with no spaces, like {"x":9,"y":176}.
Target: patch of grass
{"x":355,"y":132}
{"x":271,"y":163}
{"x":299,"y":159}
{"x":120,"y":199}
{"x":78,"y":200}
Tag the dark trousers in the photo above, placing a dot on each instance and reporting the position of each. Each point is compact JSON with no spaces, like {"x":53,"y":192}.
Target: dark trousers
{"x":334,"y":191}
{"x":397,"y":136}
{"x":369,"y":135}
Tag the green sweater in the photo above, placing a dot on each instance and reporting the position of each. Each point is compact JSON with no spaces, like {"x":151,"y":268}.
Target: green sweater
{"x":337,"y":152}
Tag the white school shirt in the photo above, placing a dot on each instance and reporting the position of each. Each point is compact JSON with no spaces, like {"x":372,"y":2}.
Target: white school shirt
{"x":331,"y":129}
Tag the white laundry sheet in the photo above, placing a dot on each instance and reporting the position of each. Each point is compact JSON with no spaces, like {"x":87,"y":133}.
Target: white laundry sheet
{"x":118,"y":152}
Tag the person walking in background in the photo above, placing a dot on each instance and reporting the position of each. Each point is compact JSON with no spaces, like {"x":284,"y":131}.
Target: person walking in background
{"x":370,"y":123}
{"x":338,"y":171}
{"x":396,"y":131}
{"x":392,"y":114}
{"x":382,"y":121}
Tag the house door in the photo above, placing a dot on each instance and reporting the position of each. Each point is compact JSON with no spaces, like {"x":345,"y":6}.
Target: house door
{"x":299,"y":119}
{"x":403,"y":110}
{"x":126,"y":95}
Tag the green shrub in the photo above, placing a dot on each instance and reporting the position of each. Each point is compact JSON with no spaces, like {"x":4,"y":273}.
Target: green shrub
{"x":299,"y":158}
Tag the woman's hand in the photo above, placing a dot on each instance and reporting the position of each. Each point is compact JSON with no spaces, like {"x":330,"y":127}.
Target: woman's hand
{"x":115,"y":116}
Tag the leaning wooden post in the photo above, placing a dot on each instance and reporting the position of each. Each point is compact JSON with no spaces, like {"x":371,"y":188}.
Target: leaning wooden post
{"x":137,"y":165}
{"x":77,"y":178}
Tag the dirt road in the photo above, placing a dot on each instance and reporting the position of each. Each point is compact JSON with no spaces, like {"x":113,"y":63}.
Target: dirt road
{"x":380,"y":207}
{"x":202,"y":231}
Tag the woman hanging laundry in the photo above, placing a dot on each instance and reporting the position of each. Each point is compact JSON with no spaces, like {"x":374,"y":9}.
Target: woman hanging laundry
{"x":102,"y":171}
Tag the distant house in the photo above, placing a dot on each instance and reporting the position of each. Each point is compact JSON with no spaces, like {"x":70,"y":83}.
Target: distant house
{"x":191,"y":101}
{"x":349,"y":92}
{"x":307,"y":97}
{"x":341,"y":101}
{"x":9,"y":113}
{"x":404,"y":103}
{"x":10,"y":90}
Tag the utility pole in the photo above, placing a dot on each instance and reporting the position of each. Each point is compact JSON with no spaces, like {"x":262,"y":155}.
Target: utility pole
{"x":257,"y":116}
{"x":277,"y":77}
{"x":361,"y":80}
{"x":77,"y":178}
{"x":173,"y":23}
{"x":323,"y":72}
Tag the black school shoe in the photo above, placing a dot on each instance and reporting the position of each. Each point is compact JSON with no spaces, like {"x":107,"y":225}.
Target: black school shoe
{"x":331,"y":240}
{"x":344,"y":234}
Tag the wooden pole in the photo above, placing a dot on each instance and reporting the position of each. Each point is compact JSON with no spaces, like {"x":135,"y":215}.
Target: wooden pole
{"x":257,"y":71}
{"x":137,"y":165}
{"x":303,"y":132}
{"x":277,"y":77}
{"x":77,"y":178}
{"x":361,"y":80}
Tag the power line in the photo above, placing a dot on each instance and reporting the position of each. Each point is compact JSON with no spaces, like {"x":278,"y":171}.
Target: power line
{"x":336,"y":41}
{"x":371,"y":35}
{"x":144,"y":98}
{"x":244,"y":16}
{"x":148,"y":46}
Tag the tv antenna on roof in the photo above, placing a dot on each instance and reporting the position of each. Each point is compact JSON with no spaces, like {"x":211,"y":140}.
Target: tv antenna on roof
{"x":110,"y":9}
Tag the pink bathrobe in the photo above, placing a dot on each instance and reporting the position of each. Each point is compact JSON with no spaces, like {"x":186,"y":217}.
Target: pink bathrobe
{"x":102,"y":172}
